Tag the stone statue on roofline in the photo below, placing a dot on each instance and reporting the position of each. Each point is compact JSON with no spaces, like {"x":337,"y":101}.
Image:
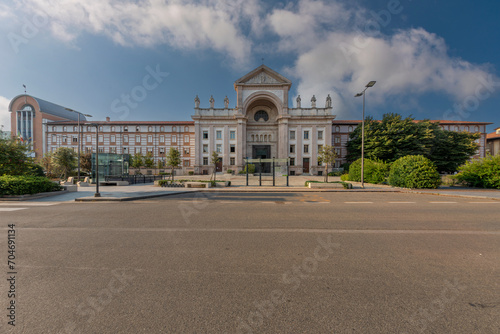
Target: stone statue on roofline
{"x":299,"y":101}
{"x":328,"y":101}
{"x":196,"y":102}
{"x":313,"y":102}
{"x":212,"y":101}
{"x":226,"y":102}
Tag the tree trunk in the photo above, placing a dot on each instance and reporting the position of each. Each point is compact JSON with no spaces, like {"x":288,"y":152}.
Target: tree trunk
{"x":326,"y":173}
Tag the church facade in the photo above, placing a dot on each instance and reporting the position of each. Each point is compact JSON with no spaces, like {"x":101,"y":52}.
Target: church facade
{"x":262,"y":125}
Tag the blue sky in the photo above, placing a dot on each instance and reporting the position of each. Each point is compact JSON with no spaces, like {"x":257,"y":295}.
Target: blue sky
{"x":431,"y":59}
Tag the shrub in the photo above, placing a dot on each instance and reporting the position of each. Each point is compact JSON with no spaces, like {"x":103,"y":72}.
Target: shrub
{"x":484,"y":173}
{"x":191,"y":172}
{"x":251,"y":169}
{"x":335,"y":174}
{"x":22,"y":185}
{"x":344,"y":177}
{"x":375,"y":171}
{"x":414,"y":171}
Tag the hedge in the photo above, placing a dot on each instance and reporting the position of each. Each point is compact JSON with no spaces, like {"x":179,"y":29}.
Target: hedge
{"x":414,"y":171}
{"x":375,"y":171}
{"x":23,"y":185}
{"x":484,"y":173}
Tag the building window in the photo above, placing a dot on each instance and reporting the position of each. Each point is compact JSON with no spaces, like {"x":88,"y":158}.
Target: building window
{"x":162,"y":150}
{"x":205,"y":161}
{"x":101,"y":149}
{"x":65,"y":139}
{"x":338,"y":152}
{"x":306,"y":148}
{"x":292,"y":161}
{"x":137,"y":139}
{"x":125,"y":150}
{"x":64,"y":129}
{"x":75,"y":139}
{"x":186,"y":151}
{"x":186,"y":129}
{"x":174,"y":129}
{"x":150,"y":150}
{"x":125,"y":139}
{"x":218,"y":134}
{"x":232,"y":161}
{"x":89,"y":139}
{"x":232,"y":134}
{"x":186,"y":163}
{"x":232,"y":148}
{"x":306,"y":134}
{"x":162,"y":138}
{"x":186,"y":139}
{"x":350,"y":128}
{"x":337,"y":139}
{"x":320,"y":135}
{"x":137,"y":128}
{"x":100,"y":128}
{"x":112,"y":129}
{"x":292,"y":135}
{"x":261,"y":114}
{"x":337,"y":128}
{"x":150,"y":138}
{"x":125,"y":129}
{"x":205,"y":134}
{"x":292,"y":148}
{"x":320,"y":147}
{"x":162,"y":128}
{"x":113,"y":138}
{"x":477,"y":128}
{"x":218,"y":148}
{"x":75,"y":129}
{"x":112,"y":150}
{"x":88,"y":149}
{"x":205,"y":148}
{"x":100,"y":138}
{"x":150,"y":129}
{"x":174,"y":138}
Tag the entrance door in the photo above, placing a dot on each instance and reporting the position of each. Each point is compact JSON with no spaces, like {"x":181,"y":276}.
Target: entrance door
{"x":218,"y":166}
{"x":305,"y":164}
{"x":262,"y":152}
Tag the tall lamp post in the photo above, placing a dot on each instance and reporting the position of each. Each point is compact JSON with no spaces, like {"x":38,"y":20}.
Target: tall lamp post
{"x":368,"y":85}
{"x":79,"y":135}
{"x":97,"y":194}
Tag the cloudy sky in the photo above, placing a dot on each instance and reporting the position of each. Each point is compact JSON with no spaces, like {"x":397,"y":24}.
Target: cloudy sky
{"x":147,"y":60}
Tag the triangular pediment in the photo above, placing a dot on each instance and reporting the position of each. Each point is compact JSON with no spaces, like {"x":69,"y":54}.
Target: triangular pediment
{"x":263,"y":75}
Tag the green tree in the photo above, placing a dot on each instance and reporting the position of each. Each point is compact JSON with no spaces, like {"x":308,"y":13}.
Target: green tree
{"x":327,"y":156}
{"x":64,"y":160}
{"x":173,"y":159}
{"x":149,"y":160}
{"x":14,"y":157}
{"x":86,"y":162}
{"x":137,"y":161}
{"x":214,"y":160}
{"x":395,"y":137}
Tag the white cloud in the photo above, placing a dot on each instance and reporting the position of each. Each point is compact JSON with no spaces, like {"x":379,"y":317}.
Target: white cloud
{"x":205,"y":24}
{"x":4,"y":113}
{"x":341,"y":59}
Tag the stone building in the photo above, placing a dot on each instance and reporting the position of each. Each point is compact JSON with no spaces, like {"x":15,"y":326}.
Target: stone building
{"x":261,"y":125}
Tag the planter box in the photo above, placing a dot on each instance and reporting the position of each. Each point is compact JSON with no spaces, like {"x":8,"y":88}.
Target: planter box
{"x":197,"y":184}
{"x":314,"y":185}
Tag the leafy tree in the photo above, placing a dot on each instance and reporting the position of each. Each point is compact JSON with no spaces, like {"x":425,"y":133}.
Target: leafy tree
{"x":14,"y":157}
{"x":414,"y":171}
{"x":394,"y":137}
{"x":483,"y":172}
{"x":86,"y":162}
{"x":137,"y":161}
{"x":149,"y":160}
{"x":173,"y":159}
{"x":375,"y":171}
{"x":214,"y":160}
{"x":327,"y":156}
{"x":64,"y":160}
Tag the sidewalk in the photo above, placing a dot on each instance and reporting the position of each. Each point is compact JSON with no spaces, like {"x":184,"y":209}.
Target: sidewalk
{"x":238,"y":184}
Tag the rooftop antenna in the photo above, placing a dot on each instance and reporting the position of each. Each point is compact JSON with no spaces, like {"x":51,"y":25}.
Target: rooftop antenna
{"x":25,"y":96}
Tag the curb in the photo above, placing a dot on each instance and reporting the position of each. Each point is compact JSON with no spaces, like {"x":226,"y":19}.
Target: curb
{"x":451,"y":195}
{"x":125,"y":199}
{"x":34,"y":196}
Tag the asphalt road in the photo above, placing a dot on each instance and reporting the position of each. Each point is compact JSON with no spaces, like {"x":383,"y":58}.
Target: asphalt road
{"x":255,"y":263}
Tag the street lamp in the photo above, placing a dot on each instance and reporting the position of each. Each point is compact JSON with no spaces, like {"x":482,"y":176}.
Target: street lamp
{"x":368,"y":85}
{"x":97,"y":194}
{"x":79,"y":135}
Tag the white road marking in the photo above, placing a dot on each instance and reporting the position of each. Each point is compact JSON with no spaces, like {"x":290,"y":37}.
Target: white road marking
{"x":11,"y":209}
{"x":402,"y":202}
{"x":358,"y":202}
{"x":29,"y":203}
{"x":484,"y":202}
{"x":442,"y":202}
